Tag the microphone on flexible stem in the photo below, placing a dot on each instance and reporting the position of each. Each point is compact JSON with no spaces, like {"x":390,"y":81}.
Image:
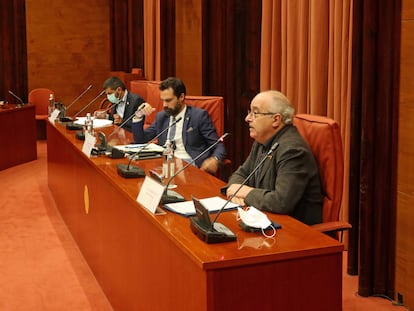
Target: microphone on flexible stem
{"x":74,"y":126}
{"x":217,"y":232}
{"x":129,"y":171}
{"x":170,"y":196}
{"x":63,"y":117}
{"x":21,"y":103}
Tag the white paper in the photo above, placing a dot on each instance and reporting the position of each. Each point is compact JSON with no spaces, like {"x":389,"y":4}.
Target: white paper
{"x":137,"y":147}
{"x":212,"y":204}
{"x":54,"y":115}
{"x":150,"y":195}
{"x":88,"y":144}
{"x":97,"y":123}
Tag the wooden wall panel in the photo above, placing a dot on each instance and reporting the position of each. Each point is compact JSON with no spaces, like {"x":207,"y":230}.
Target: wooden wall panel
{"x":188,"y":24}
{"x":404,"y":274}
{"x":68,"y":47}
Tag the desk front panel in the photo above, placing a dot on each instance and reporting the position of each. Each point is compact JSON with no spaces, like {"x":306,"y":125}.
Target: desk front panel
{"x":18,"y":135}
{"x":148,"y":262}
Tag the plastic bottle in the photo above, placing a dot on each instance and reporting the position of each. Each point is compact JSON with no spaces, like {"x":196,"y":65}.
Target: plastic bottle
{"x":89,"y":123}
{"x":51,"y":106}
{"x":168,"y":166}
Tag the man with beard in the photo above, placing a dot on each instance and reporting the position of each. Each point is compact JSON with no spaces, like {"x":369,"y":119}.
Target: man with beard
{"x":190,"y":136}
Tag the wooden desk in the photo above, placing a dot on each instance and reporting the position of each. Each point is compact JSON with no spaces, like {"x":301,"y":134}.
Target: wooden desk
{"x":148,"y":262}
{"x":18,"y":135}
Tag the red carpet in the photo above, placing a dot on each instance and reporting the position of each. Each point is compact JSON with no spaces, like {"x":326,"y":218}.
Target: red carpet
{"x":41,"y":267}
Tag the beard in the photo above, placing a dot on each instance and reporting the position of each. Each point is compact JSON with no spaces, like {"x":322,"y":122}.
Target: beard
{"x":173,"y":111}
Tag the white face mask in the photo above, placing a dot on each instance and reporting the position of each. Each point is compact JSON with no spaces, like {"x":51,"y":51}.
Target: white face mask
{"x":256,"y":219}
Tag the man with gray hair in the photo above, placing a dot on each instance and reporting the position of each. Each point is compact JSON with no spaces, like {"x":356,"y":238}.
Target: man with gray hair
{"x":287,"y":182}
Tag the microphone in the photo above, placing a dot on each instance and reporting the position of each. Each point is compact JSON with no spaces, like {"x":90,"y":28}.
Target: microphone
{"x":170,"y":196}
{"x":128,"y":171}
{"x":90,"y":103}
{"x":21,"y":103}
{"x":217,"y":232}
{"x":74,"y":126}
{"x":142,"y":106}
{"x":63,"y":118}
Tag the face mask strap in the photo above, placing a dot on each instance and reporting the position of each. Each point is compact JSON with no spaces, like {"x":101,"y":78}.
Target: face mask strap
{"x":269,"y":235}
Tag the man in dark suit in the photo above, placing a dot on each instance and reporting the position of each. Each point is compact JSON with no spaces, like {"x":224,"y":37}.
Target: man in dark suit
{"x":124,"y":103}
{"x":191,"y":136}
{"x":288,"y":181}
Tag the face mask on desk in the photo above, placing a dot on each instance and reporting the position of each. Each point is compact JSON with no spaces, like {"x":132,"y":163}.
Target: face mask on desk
{"x":252,"y":217}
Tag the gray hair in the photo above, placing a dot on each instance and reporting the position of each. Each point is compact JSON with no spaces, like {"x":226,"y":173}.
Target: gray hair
{"x":281,"y":104}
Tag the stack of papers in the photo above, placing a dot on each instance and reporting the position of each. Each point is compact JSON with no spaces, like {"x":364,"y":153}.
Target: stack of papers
{"x":213,"y":204}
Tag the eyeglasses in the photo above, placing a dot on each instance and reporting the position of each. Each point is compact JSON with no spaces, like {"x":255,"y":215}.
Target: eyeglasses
{"x":255,"y":114}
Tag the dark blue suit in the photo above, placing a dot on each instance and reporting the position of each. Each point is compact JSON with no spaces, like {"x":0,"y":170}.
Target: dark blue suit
{"x":133,"y":101}
{"x":198,"y":133}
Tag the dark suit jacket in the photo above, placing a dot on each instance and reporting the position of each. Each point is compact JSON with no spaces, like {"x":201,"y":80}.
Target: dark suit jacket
{"x":198,"y":133}
{"x":288,"y":182}
{"x":133,"y":101}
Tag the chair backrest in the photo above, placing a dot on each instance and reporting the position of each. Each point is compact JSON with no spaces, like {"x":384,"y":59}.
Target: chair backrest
{"x":323,"y":136}
{"x":40,"y":98}
{"x":214,"y":106}
{"x":149,"y":90}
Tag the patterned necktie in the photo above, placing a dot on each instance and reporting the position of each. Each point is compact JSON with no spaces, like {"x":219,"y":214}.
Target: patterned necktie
{"x":171,"y":134}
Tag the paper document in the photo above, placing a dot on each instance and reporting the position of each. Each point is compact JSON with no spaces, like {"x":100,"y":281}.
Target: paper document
{"x":131,"y":148}
{"x":213,"y":204}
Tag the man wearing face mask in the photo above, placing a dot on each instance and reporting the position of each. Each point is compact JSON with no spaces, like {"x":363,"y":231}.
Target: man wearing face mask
{"x":191,"y":136}
{"x":288,"y":181}
{"x":124,"y":103}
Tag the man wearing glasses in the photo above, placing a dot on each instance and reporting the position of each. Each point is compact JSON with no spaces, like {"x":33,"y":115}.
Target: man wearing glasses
{"x":287,"y":181}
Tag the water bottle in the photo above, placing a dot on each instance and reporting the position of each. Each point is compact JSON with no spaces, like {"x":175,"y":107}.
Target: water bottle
{"x":89,"y":123}
{"x":51,"y":106}
{"x":168,"y":166}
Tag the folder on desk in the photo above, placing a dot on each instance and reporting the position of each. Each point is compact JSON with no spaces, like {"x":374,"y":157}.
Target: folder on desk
{"x":212,"y":204}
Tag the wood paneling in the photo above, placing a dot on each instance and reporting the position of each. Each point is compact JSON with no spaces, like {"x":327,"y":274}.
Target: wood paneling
{"x":407,"y":9}
{"x":68,"y":47}
{"x":404,"y":272}
{"x":188,"y":44}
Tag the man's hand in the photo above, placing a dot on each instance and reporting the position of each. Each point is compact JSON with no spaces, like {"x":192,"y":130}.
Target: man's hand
{"x":145,"y":111}
{"x":100,"y":114}
{"x":240,"y":195}
{"x":117,"y":119}
{"x":210,"y":165}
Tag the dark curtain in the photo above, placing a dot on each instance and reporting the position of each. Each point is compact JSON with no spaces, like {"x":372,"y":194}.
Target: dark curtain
{"x":127,"y":34}
{"x":375,"y":89}
{"x":231,"y":65}
{"x":13,"y":51}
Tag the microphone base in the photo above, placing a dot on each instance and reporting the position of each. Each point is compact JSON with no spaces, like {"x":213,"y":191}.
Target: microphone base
{"x":80,"y":135}
{"x":115,"y":153}
{"x":65,"y":120}
{"x":74,"y":127}
{"x":130,"y":171}
{"x":221,"y":233}
{"x":170,"y":196}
